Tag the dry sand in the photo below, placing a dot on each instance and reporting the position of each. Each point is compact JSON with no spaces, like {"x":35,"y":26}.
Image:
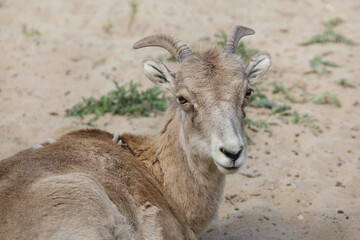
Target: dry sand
{"x":305,"y":179}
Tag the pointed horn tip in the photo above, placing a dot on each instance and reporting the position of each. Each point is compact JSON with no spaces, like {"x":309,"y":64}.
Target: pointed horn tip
{"x":143,"y":42}
{"x":248,"y":31}
{"x":136,"y":45}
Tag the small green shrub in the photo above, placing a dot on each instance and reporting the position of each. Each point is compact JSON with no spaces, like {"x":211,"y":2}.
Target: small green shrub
{"x":320,"y":66}
{"x":134,"y":5}
{"x":329,"y":35}
{"x":344,"y":83}
{"x":280,"y":89}
{"x":259,"y":99}
{"x":99,"y":62}
{"x":30,"y":33}
{"x":2,"y":3}
{"x":326,"y":98}
{"x":108,"y":26}
{"x":125,"y":100}
{"x":166,"y":57}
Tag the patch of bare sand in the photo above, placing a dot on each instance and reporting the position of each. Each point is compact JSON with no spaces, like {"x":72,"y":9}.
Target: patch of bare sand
{"x":308,"y":187}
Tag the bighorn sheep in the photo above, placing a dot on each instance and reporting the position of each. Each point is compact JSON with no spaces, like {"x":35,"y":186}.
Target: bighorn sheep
{"x":166,"y":186}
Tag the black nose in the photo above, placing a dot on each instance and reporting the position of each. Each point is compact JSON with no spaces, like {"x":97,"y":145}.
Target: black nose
{"x":233,"y":156}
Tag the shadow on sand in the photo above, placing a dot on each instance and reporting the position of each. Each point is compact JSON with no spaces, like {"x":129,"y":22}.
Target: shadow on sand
{"x":260,"y":224}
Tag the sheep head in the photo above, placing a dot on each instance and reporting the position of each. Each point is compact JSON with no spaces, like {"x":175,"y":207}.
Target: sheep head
{"x":212,"y":89}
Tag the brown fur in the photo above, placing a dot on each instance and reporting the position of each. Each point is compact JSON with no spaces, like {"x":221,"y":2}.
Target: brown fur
{"x":165,"y":186}
{"x":28,"y":208}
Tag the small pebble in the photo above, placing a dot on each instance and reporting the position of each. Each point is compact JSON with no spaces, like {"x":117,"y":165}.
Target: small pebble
{"x":339,"y":184}
{"x":340,"y":211}
{"x":300,"y":217}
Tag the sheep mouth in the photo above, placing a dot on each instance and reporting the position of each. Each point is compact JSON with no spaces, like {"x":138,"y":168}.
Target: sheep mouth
{"x":226,"y":170}
{"x":230,"y":168}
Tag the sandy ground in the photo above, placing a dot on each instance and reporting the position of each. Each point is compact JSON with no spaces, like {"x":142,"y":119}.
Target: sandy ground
{"x":304,"y":179}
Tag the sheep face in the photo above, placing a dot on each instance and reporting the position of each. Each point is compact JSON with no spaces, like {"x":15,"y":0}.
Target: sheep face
{"x":212,"y":90}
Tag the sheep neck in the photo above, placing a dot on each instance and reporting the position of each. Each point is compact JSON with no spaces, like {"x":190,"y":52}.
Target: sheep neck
{"x":194,"y":184}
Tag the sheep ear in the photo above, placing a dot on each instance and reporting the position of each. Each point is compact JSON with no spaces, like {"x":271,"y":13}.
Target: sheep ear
{"x":159,"y":74}
{"x":257,"y":67}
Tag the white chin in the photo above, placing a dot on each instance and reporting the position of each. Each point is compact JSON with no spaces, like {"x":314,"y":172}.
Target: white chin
{"x":224,"y":170}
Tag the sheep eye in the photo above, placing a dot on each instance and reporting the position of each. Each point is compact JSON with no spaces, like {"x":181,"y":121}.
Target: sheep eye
{"x":248,"y":93}
{"x":182,"y":100}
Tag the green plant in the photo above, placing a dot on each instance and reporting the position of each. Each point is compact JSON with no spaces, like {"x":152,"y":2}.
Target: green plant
{"x":99,"y":62}
{"x":166,"y":57}
{"x":255,"y":125}
{"x":279,"y":88}
{"x":2,"y":3}
{"x":134,"y":5}
{"x":31,"y":33}
{"x":344,"y":83}
{"x":221,"y":36}
{"x":306,"y":120}
{"x":326,"y":98}
{"x":281,"y":109}
{"x":320,"y":66}
{"x":314,"y":128}
{"x":249,"y":140}
{"x":108,"y":26}
{"x":296,"y":118}
{"x":124,"y":100}
{"x":259,"y":99}
{"x":245,"y":52}
{"x":242,"y":50}
{"x":329,"y":35}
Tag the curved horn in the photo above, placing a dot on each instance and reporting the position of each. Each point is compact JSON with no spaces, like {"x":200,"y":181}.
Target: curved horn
{"x":174,"y":45}
{"x":234,"y":36}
